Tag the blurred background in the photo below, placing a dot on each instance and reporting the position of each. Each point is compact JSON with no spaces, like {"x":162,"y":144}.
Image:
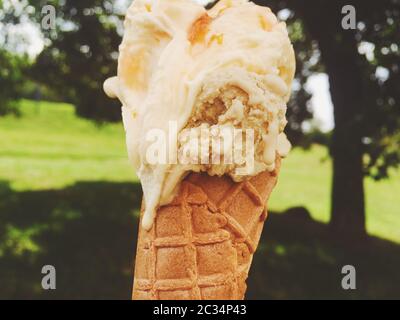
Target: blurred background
{"x":69,"y":198}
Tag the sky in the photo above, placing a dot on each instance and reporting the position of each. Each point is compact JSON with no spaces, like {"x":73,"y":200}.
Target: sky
{"x":321,"y":103}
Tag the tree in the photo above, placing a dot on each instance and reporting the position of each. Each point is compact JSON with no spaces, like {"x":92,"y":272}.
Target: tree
{"x":12,"y":63}
{"x":80,"y":54}
{"x":11,"y":80}
{"x":366,"y":106}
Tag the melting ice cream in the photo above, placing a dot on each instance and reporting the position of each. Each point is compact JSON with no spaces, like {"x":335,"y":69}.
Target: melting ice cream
{"x":228,"y":67}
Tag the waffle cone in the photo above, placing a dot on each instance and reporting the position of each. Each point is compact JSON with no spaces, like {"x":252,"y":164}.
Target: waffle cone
{"x":201,"y":245}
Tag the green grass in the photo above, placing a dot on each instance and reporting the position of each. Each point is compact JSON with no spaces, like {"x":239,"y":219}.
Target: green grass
{"x":54,"y":148}
{"x":305,"y":180}
{"x":49,"y":147}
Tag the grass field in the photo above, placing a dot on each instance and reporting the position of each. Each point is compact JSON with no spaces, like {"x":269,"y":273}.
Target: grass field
{"x":69,"y":198}
{"x":305,"y":181}
{"x":50,"y":148}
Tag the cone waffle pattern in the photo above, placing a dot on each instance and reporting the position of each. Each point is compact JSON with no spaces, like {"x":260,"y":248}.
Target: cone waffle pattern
{"x":202,"y":243}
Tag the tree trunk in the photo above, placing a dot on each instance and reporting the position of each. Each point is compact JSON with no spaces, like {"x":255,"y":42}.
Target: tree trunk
{"x":341,"y":59}
{"x":347,"y":206}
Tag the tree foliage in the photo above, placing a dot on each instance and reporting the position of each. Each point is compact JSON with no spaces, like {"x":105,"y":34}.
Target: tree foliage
{"x":377,"y":69}
{"x":80,"y":54}
{"x":12,"y":68}
{"x":13,"y":64}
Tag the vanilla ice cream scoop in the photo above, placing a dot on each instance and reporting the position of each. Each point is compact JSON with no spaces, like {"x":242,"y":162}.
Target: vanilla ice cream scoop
{"x":183,"y":67}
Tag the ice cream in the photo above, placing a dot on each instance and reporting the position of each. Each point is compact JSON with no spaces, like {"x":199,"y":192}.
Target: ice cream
{"x":230,"y":67}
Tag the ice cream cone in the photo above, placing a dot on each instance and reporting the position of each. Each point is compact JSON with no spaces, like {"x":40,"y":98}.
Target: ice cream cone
{"x":201,"y":245}
{"x":225,"y":75}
